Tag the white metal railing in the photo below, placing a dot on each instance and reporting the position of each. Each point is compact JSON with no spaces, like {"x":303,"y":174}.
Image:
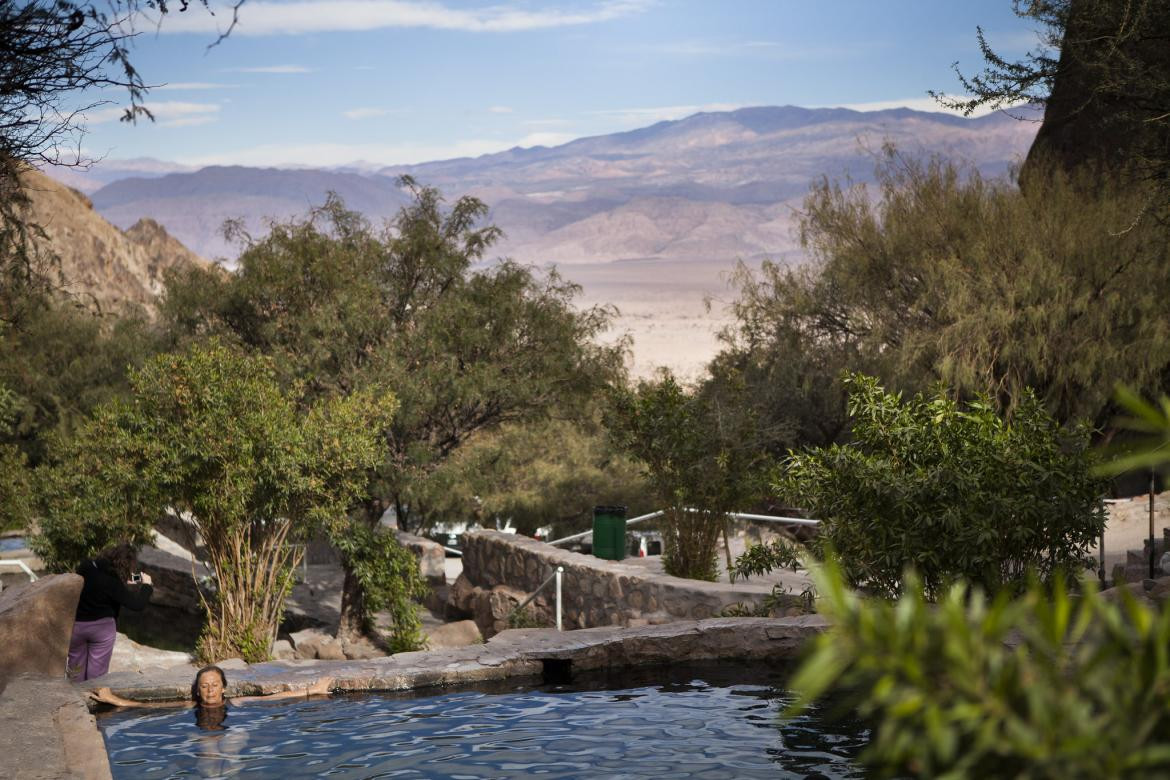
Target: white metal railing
{"x":629,"y":522}
{"x":32,"y":577}
{"x":453,"y":551}
{"x":556,"y":575}
{"x":736,"y":515}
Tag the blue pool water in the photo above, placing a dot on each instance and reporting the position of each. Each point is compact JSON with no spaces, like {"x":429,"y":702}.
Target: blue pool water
{"x":695,"y":723}
{"x":9,"y":543}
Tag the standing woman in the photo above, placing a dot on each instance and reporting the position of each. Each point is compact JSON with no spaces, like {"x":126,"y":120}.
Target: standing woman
{"x":108,"y":587}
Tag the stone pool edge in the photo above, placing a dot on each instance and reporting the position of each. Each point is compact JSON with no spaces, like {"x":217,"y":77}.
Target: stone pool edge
{"x":515,"y":653}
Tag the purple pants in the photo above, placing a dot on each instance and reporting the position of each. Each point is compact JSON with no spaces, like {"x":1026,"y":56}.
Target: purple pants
{"x":90,"y":648}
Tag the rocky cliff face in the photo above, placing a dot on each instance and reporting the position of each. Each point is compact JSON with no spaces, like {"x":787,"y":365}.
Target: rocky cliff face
{"x":99,"y":263}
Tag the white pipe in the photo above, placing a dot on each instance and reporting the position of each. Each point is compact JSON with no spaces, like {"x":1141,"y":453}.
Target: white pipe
{"x":585,"y":533}
{"x":32,"y":577}
{"x":774,"y":519}
{"x":560,"y":571}
{"x":737,"y":515}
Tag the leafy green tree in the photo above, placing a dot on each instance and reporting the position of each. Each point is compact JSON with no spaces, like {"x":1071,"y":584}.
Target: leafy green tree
{"x":340,"y":306}
{"x":952,"y":491}
{"x":210,"y":433}
{"x":547,"y":472}
{"x":702,"y":461}
{"x":1047,"y":685}
{"x":15,"y":491}
{"x":63,"y":361}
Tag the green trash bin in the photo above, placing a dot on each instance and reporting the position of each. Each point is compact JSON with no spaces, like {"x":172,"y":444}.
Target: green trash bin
{"x":609,"y":532}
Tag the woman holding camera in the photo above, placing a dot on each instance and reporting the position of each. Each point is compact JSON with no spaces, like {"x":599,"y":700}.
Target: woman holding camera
{"x":109,"y":586}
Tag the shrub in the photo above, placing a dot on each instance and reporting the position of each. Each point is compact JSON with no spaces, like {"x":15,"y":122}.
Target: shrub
{"x":1046,"y":685}
{"x":211,"y":434}
{"x":702,"y":460}
{"x":954,"y":491}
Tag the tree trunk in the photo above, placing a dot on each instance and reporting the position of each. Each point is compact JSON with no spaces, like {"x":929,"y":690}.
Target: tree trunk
{"x":352,"y":625}
{"x":1110,"y":93}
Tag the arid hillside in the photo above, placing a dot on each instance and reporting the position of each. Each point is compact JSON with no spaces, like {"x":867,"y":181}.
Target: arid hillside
{"x":100,"y":264}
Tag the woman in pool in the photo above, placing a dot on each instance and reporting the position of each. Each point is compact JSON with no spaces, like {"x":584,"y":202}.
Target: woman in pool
{"x":208,"y":697}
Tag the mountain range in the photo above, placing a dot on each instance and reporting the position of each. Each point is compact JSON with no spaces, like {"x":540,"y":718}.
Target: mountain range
{"x":715,"y":186}
{"x":649,"y":220}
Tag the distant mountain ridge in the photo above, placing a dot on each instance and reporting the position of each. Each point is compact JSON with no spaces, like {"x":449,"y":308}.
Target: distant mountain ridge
{"x":713,"y":186}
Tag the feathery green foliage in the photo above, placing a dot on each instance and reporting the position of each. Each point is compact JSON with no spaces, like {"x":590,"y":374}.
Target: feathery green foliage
{"x":63,"y":361}
{"x":948,"y":276}
{"x":15,"y":490}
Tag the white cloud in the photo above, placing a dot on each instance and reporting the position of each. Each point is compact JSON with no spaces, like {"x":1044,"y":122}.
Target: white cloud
{"x":341,"y":154}
{"x":771,"y":50}
{"x":312,"y":16}
{"x":917,"y":104}
{"x":272,"y":69}
{"x":192,"y":85}
{"x":500,"y":110}
{"x":365,"y":113}
{"x":644,"y":116}
{"x":189,"y":121}
{"x":166,"y":114}
{"x":545,"y":122}
{"x":545,"y":139}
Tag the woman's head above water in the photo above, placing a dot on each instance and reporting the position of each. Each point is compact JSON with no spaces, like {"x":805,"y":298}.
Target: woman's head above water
{"x":208,"y":688}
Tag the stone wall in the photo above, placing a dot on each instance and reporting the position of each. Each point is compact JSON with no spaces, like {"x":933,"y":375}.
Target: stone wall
{"x":500,"y":570}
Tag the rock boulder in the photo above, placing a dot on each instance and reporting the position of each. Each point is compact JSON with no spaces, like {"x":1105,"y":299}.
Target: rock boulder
{"x":36,"y":621}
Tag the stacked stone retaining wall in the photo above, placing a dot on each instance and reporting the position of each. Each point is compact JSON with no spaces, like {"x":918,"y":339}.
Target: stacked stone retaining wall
{"x":500,"y":570}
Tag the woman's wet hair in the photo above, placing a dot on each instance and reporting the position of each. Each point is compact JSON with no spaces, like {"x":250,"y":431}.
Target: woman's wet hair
{"x":123,"y":558}
{"x":195,"y":685}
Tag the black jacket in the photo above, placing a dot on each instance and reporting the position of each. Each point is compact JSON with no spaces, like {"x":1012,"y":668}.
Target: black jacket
{"x":104,"y":594}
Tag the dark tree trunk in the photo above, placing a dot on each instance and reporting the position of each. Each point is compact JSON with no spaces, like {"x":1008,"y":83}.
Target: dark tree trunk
{"x":1110,"y":93}
{"x":352,"y":625}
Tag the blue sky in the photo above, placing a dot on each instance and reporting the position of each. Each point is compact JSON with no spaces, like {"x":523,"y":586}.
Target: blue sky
{"x":333,"y":82}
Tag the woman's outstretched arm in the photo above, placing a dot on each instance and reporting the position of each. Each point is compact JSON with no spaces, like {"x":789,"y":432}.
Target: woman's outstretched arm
{"x":319,"y":688}
{"x":107,"y":696}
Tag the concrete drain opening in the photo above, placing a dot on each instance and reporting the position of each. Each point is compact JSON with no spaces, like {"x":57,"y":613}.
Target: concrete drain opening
{"x":557,"y":671}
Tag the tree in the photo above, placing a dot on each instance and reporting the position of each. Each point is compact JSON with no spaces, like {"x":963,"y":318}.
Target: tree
{"x":339,"y":306}
{"x":701,"y":459}
{"x":54,"y":52}
{"x":1102,"y":71}
{"x":15,"y":492}
{"x":948,"y":276}
{"x":950,"y":491}
{"x":58,"y":59}
{"x":62,"y":362}
{"x":547,"y":472}
{"x":210,"y":434}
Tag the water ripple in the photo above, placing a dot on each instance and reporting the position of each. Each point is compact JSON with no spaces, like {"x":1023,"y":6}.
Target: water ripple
{"x":705,"y":723}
